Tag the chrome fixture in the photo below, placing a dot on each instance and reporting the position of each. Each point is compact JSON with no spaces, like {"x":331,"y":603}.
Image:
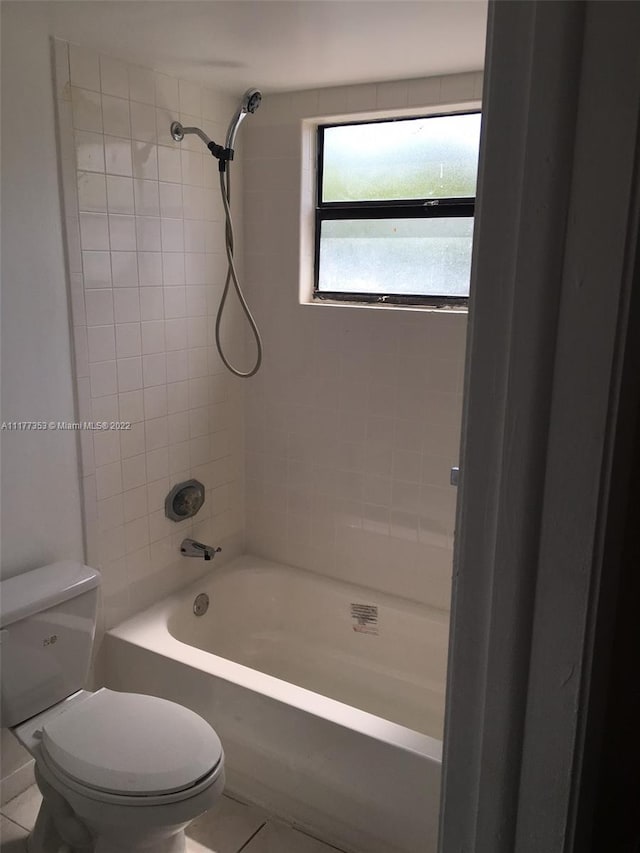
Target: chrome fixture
{"x":178,"y":132}
{"x":184,"y":500}
{"x":192,"y":548}
{"x":250,"y":102}
{"x":224,"y":154}
{"x":201,"y":604}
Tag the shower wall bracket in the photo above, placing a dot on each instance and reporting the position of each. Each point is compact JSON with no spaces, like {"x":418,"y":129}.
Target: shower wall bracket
{"x":223,"y":155}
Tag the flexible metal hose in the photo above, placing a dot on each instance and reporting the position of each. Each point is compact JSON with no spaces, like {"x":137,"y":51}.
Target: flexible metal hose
{"x":232,"y":276}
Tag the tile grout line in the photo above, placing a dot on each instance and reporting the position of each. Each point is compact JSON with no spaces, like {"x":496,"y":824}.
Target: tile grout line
{"x":27,"y":809}
{"x":316,"y":838}
{"x":15,"y":823}
{"x":251,"y":837}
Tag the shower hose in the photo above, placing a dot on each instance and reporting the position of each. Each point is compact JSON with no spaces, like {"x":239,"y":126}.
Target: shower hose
{"x":232,"y":277}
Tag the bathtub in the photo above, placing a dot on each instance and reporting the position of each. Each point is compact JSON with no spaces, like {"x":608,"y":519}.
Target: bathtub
{"x":328,"y":697}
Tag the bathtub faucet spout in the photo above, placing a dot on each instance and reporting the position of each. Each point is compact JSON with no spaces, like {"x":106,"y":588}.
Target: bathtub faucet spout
{"x":191,"y":548}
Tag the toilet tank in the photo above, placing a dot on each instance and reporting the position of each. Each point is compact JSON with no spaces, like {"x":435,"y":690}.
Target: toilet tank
{"x":47,"y":626}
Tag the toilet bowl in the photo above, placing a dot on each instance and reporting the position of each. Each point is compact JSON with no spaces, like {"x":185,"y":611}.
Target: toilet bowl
{"x":119,"y":772}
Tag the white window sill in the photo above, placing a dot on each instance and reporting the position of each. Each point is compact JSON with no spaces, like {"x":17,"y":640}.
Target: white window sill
{"x":381,"y":306}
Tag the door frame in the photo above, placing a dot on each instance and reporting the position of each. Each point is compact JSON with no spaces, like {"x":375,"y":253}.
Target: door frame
{"x":548,"y":323}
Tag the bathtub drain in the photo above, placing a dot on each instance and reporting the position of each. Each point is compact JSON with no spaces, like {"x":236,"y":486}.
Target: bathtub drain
{"x":201,"y":604}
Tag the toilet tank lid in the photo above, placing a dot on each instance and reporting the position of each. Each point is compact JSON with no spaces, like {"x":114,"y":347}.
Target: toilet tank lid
{"x":32,"y":592}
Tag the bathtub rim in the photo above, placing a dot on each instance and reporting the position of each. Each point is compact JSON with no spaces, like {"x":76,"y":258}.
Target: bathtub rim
{"x":149,"y":629}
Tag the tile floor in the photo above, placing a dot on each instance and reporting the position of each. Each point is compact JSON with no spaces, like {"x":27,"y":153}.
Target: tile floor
{"x":230,"y":827}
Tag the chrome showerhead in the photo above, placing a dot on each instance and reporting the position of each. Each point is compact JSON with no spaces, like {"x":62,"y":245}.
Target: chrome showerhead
{"x":251,"y":100}
{"x":249,"y":104}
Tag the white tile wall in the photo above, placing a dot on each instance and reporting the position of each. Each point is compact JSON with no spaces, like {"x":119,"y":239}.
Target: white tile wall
{"x":353,"y":422}
{"x":138,"y":217}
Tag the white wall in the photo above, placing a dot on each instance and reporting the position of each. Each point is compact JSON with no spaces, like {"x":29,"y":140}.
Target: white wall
{"x":145,"y":227}
{"x":40,"y":491}
{"x":41,"y":517}
{"x":353,"y":423}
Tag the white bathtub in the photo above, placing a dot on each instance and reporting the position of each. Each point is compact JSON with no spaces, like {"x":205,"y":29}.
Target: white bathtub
{"x":328,"y":697}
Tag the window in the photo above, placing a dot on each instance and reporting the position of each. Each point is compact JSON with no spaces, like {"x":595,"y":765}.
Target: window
{"x":394,"y":212}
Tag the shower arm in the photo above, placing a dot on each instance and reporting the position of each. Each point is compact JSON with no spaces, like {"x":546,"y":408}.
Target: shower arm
{"x":222,"y":154}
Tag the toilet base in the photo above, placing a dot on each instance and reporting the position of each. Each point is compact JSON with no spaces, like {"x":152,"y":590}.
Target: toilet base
{"x":46,"y":838}
{"x":60,"y":829}
{"x":50,"y":842}
{"x":57,"y":826}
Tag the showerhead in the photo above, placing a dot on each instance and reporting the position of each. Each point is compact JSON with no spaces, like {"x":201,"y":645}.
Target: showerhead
{"x":251,"y":100}
{"x":249,"y":104}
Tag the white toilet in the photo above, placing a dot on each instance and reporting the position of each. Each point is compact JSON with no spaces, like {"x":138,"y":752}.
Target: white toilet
{"x":119,"y":772}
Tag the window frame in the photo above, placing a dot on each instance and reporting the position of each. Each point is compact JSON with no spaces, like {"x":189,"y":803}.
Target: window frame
{"x":419,"y":208}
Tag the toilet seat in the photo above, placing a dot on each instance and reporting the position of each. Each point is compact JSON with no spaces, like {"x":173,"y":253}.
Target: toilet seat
{"x":131,"y":747}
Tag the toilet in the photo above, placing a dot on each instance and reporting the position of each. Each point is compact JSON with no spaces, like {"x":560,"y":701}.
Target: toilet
{"x":118,"y":772}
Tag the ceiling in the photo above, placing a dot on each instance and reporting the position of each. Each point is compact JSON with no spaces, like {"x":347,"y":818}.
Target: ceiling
{"x":281,"y":45}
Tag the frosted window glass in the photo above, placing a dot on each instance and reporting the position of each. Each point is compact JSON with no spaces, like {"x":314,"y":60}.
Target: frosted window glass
{"x":396,"y":256}
{"x":434,"y":157}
